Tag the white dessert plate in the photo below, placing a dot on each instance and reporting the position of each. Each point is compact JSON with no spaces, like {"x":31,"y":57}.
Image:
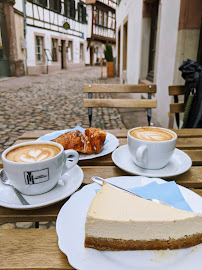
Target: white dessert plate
{"x":179,"y":163}
{"x":111,"y":144}
{"x":67,"y":185}
{"x":70,"y":227}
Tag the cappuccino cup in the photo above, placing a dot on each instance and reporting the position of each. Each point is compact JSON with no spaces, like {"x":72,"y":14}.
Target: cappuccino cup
{"x":151,"y":147}
{"x":35,"y":167}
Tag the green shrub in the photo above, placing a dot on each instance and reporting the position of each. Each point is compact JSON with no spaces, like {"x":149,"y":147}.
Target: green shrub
{"x":108,"y":53}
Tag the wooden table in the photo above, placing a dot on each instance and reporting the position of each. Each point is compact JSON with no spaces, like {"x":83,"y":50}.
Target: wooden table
{"x":38,"y":248}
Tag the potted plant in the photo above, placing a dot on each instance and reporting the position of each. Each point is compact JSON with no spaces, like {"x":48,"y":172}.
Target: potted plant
{"x":109,"y":58}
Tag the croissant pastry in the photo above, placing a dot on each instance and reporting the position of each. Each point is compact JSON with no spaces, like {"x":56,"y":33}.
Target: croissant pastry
{"x":88,"y":142}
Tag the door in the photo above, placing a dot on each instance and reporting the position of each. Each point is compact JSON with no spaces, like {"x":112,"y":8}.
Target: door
{"x":119,"y":43}
{"x":62,"y":54}
{"x":92,"y":56}
{"x":4,"y":54}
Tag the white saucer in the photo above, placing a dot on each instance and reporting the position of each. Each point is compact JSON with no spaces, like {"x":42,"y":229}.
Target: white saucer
{"x":70,"y":228}
{"x":67,"y":185}
{"x":180,"y":162}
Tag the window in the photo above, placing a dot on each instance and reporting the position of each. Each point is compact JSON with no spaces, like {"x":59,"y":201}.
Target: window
{"x":39,"y":49}
{"x":153,"y":35}
{"x":55,"y":5}
{"x":55,"y":49}
{"x":97,"y":16}
{"x":105,"y":19}
{"x":69,"y":8}
{"x":100,"y":17}
{"x":42,"y":3}
{"x":81,"y":13}
{"x":70,"y":51}
{"x":81,"y":52}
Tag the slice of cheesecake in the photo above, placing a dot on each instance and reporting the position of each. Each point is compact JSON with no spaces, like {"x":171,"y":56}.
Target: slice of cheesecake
{"x":117,"y":220}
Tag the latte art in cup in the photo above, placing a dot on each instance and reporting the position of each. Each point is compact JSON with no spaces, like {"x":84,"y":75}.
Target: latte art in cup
{"x":32,"y":153}
{"x":152,"y":134}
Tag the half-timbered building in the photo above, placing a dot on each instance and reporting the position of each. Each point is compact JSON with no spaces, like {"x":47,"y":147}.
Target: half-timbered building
{"x":55,"y":34}
{"x":101,"y":28}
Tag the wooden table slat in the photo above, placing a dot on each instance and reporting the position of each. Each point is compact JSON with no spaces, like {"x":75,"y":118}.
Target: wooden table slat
{"x":191,"y":178}
{"x":195,"y":132}
{"x":182,"y":143}
{"x":31,"y":249}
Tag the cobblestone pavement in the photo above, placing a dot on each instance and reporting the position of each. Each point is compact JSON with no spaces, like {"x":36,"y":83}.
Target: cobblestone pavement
{"x":53,"y":101}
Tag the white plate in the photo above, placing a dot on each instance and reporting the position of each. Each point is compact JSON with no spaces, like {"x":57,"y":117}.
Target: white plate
{"x":70,"y":227}
{"x":110,"y":146}
{"x":68,"y":184}
{"x":179,"y":163}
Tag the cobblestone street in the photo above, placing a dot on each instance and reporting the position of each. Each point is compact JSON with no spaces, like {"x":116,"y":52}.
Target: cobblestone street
{"x":53,"y":101}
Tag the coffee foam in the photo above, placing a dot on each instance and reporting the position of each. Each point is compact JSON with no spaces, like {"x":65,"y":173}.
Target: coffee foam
{"x":152,"y":134}
{"x":32,"y":153}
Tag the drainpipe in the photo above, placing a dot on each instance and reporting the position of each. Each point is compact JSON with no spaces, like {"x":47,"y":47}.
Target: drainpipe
{"x":25,"y":33}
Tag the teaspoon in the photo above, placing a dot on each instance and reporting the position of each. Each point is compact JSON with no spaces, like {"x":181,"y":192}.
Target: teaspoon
{"x":6,"y":181}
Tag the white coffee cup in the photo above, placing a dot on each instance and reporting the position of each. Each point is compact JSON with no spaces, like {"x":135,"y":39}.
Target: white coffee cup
{"x":41,"y":176}
{"x":151,"y":154}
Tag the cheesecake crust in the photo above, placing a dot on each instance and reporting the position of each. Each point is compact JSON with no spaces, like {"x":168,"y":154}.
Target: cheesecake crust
{"x":118,"y":244}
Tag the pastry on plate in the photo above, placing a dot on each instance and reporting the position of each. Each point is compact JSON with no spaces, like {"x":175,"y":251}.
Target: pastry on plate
{"x":90,"y":141}
{"x":117,"y":220}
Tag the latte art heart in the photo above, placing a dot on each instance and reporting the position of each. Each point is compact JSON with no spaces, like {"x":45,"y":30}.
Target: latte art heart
{"x":33,"y":153}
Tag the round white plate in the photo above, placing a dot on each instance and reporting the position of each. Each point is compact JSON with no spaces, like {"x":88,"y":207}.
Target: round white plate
{"x":70,"y":227}
{"x":110,"y":145}
{"x":179,"y":163}
{"x":67,"y":185}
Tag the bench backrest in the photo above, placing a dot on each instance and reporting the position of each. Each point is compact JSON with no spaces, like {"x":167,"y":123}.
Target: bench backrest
{"x":117,"y":102}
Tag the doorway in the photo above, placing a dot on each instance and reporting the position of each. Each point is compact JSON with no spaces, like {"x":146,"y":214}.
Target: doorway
{"x":92,"y":56}
{"x":125,"y":44}
{"x":119,"y":44}
{"x":62,"y":54}
{"x":4,"y":53}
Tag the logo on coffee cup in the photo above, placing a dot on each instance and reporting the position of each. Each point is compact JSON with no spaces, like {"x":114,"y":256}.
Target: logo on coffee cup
{"x":36,"y":177}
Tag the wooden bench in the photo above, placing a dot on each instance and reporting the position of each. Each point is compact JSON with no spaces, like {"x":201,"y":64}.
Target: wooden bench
{"x":91,"y":102}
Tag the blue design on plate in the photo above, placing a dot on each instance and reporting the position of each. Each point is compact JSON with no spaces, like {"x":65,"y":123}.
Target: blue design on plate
{"x":167,"y":192}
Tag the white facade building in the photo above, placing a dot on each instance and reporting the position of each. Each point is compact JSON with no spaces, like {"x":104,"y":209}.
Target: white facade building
{"x":153,"y":38}
{"x":55,"y":34}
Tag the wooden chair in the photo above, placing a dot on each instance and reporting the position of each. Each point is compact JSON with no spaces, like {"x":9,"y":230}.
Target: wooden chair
{"x":176,"y":107}
{"x":119,"y":103}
